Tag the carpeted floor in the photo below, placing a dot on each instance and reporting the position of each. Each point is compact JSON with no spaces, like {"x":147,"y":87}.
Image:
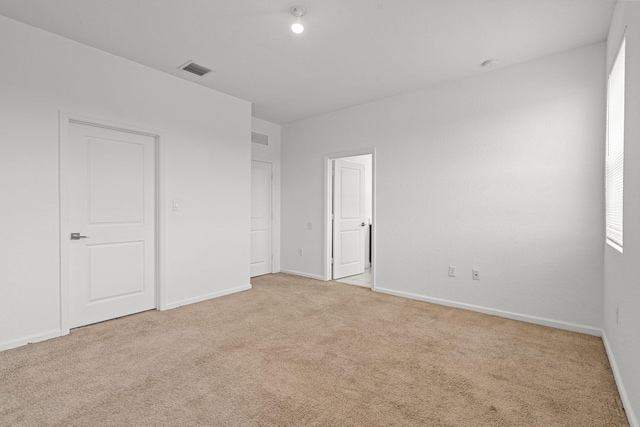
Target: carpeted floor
{"x":299,"y":352}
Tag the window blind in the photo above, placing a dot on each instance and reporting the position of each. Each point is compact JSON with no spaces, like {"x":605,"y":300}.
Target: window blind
{"x":615,"y":150}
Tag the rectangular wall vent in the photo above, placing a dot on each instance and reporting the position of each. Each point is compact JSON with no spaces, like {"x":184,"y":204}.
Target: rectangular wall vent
{"x":259,"y":138}
{"x":196,"y":69}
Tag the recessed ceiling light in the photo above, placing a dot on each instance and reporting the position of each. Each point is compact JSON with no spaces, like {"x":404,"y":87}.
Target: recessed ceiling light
{"x":489,"y":63}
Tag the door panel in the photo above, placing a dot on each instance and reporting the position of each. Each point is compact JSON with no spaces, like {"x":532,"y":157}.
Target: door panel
{"x":349,"y":218}
{"x":350,"y":196}
{"x":261,"y":187}
{"x":112,"y":203}
{"x":126,"y":186}
{"x":115,"y":270}
{"x":350,"y":244}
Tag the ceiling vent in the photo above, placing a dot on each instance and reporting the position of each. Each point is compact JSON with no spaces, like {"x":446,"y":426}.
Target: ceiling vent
{"x":259,"y":138}
{"x":194,"y":68}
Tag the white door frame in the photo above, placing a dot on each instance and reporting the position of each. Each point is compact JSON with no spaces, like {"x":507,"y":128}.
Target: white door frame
{"x":328,"y":203}
{"x":65,"y":120}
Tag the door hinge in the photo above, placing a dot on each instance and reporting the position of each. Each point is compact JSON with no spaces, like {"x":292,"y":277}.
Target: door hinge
{"x":333,"y":216}
{"x":331,"y":261}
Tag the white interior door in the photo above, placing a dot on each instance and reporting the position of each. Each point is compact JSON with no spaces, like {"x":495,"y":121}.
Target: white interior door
{"x":111,"y":181}
{"x":349,"y":222}
{"x":261,"y":257}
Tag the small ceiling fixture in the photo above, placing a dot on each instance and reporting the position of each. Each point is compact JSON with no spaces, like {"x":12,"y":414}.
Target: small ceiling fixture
{"x":298,"y":12}
{"x":489,"y":63}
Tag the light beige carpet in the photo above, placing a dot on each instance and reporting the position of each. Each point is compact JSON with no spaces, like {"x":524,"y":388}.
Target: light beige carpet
{"x":299,"y":352}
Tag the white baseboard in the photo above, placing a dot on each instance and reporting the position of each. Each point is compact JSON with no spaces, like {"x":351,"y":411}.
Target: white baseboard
{"x":633,"y":421}
{"x":298,"y":273}
{"x":500,"y":313}
{"x":30,"y":339}
{"x":205,"y":297}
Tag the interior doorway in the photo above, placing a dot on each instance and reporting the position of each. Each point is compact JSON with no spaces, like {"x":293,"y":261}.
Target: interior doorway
{"x":350,"y":202}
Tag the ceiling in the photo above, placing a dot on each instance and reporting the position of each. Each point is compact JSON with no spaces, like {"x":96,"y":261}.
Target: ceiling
{"x":351,"y":52}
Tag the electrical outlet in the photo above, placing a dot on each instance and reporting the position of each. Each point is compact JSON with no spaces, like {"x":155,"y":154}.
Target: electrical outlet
{"x":452,"y":270}
{"x":475,"y":274}
{"x":300,"y":252}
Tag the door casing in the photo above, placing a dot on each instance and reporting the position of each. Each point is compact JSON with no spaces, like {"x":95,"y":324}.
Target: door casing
{"x":65,"y":119}
{"x":328,"y":203}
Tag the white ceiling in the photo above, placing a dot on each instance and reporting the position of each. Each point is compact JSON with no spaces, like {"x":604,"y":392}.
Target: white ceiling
{"x":352,"y":51}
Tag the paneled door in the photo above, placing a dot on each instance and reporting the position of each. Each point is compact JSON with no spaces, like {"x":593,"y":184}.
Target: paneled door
{"x":349,"y":222}
{"x":111,"y":219}
{"x":261,"y":259}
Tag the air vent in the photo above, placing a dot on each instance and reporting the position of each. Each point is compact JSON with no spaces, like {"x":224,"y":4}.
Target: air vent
{"x":194,"y":68}
{"x":259,"y":138}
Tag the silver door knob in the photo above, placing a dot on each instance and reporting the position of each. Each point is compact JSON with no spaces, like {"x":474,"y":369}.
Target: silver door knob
{"x":77,"y":236}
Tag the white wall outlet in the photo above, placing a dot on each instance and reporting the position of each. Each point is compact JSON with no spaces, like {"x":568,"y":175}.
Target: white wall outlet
{"x":452,"y":270}
{"x":475,"y":274}
{"x":300,"y":252}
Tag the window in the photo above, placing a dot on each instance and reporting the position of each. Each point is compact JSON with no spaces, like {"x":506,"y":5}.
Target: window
{"x":614,"y":167}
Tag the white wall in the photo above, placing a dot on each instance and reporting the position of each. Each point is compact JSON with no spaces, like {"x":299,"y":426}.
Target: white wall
{"x":206,"y":158}
{"x":621,"y":271}
{"x":271,"y":154}
{"x":502,"y":172}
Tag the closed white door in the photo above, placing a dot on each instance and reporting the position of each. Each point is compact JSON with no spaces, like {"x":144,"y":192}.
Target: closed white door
{"x":260,"y":218}
{"x":348,"y":218}
{"x":111,"y":212}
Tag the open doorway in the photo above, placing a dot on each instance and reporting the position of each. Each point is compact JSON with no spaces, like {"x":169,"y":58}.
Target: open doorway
{"x":350,"y":218}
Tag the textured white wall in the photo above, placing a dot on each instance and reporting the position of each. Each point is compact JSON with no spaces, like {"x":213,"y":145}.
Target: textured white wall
{"x":621,"y":271}
{"x":206,"y":150}
{"x":502,"y":172}
{"x":271,"y":154}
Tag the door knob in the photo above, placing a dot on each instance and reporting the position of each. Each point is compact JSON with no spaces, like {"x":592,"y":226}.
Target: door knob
{"x":77,"y":236}
{"x":362,"y":225}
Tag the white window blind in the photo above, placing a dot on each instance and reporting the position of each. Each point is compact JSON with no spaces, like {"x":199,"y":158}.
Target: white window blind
{"x":615,"y":150}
